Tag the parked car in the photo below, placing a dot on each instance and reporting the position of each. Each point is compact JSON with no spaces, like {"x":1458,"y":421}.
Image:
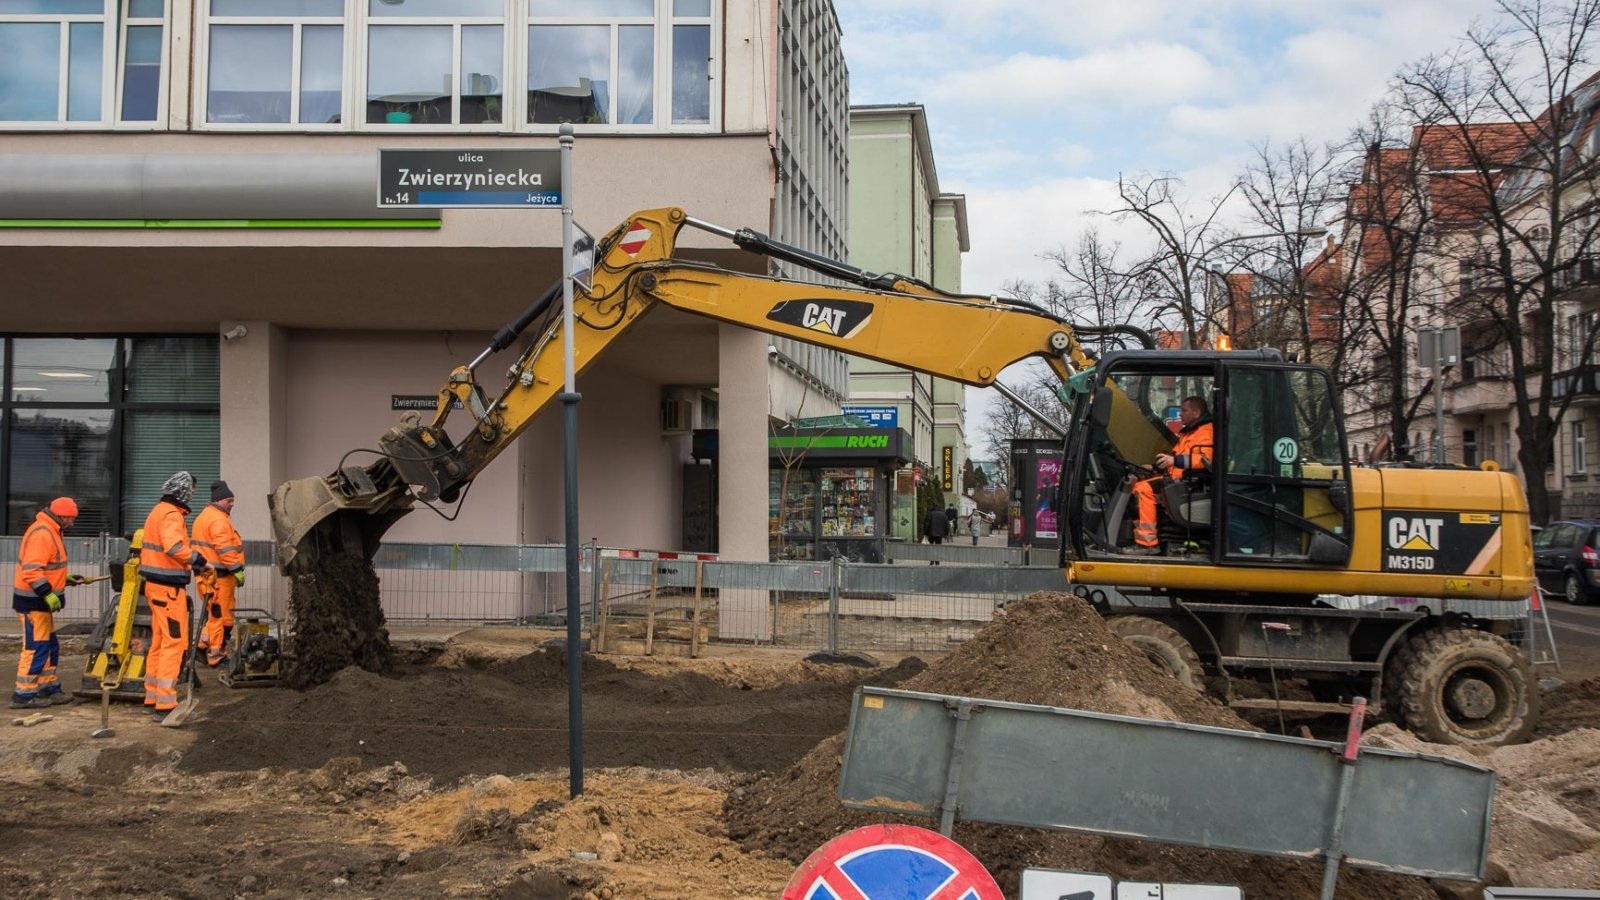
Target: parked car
{"x":1566,"y":559}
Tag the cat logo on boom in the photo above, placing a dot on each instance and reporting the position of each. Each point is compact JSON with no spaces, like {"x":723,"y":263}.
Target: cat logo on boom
{"x":839,"y":318}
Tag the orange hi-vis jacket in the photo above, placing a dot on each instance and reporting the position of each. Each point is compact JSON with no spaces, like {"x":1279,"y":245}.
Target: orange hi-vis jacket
{"x":167,"y":557}
{"x":1194,"y":448}
{"x":217,"y":540}
{"x":41,"y":564}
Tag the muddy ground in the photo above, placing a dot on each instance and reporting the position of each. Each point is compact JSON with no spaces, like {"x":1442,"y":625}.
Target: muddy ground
{"x":706,"y":778}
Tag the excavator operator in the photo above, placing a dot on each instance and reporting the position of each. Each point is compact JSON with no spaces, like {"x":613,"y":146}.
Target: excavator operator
{"x":1193,"y":451}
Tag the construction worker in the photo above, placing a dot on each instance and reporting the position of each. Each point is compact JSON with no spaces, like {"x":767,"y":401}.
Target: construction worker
{"x":218,"y":541}
{"x":165,"y":562}
{"x":36,"y":596}
{"x":1196,"y":443}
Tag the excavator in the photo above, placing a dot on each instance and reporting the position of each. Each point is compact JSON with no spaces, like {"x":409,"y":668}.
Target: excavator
{"x":1250,"y":550}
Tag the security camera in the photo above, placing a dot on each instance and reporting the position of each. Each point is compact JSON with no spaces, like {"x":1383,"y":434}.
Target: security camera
{"x":234,"y":333}
{"x":771,"y":350}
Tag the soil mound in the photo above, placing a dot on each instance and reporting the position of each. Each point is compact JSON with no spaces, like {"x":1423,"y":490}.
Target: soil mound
{"x":511,"y":718}
{"x":1051,"y":649}
{"x":1572,"y":705}
{"x":337,"y":621}
{"x":1546,"y":828}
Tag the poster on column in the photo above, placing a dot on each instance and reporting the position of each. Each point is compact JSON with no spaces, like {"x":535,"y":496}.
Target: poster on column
{"x":1044,"y":517}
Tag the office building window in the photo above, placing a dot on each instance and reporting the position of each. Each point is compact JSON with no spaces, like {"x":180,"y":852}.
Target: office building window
{"x":64,"y":62}
{"x":104,"y":421}
{"x":274,"y":62}
{"x":1580,"y":450}
{"x":435,"y":62}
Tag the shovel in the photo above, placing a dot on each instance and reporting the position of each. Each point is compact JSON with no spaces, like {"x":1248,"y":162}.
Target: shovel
{"x":186,"y":707}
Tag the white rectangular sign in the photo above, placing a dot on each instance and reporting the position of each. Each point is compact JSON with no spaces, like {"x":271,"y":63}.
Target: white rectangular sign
{"x":1048,"y":884}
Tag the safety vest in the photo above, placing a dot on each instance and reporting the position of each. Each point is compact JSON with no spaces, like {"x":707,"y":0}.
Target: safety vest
{"x":217,"y":540}
{"x":166,"y":555}
{"x":41,"y":560}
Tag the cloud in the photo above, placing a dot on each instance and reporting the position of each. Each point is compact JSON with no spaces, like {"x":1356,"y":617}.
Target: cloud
{"x":1132,"y":75}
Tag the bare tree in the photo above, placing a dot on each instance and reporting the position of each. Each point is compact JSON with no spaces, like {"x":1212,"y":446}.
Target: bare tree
{"x":1516,"y":168}
{"x":1184,"y":232}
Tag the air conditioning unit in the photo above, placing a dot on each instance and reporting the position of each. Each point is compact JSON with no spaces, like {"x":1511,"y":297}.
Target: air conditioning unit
{"x":677,"y":416}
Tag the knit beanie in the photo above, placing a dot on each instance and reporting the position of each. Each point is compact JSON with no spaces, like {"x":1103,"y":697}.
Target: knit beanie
{"x":220,"y":491}
{"x":179,"y":487}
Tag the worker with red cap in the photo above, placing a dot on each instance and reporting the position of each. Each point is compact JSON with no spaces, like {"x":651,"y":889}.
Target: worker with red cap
{"x":165,"y":562}
{"x":217,"y":540}
{"x":36,"y":596}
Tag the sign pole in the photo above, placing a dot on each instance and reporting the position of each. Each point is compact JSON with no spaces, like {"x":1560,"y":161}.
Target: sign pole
{"x":569,"y":409}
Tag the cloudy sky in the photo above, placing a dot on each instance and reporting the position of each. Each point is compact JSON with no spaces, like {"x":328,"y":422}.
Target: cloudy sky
{"x":1036,"y":107}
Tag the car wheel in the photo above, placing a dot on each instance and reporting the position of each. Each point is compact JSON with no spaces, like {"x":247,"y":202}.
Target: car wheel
{"x":1575,"y":594}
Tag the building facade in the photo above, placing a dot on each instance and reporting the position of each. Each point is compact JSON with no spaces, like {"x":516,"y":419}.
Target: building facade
{"x":900,"y":222}
{"x":198,"y":275}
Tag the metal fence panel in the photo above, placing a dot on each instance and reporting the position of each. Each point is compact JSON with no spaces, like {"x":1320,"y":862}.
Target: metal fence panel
{"x":1016,"y":764}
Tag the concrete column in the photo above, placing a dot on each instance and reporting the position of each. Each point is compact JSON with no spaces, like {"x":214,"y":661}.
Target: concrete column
{"x":742,"y":473}
{"x":254,"y":439}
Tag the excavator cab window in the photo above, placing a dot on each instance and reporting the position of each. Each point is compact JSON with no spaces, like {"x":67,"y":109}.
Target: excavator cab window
{"x":1285,"y":470}
{"x":1274,"y":490}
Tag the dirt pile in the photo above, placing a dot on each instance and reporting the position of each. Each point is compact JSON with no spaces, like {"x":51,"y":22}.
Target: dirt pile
{"x":1546,"y":829}
{"x":511,"y":717}
{"x":1572,"y":705}
{"x":1052,"y":649}
{"x":337,"y":621}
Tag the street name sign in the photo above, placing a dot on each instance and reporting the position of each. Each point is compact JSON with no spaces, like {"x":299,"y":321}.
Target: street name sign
{"x":465,"y":178}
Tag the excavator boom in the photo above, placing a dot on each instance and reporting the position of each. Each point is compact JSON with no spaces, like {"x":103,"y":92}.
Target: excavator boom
{"x":883,"y":317}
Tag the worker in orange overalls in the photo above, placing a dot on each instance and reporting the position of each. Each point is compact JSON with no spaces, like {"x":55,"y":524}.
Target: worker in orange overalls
{"x":36,"y":596}
{"x":165,"y":562}
{"x":1196,"y":443}
{"x":218,"y":541}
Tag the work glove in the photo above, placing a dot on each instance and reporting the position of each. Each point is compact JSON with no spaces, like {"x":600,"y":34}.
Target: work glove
{"x":239,"y":577}
{"x":75,"y":579}
{"x":198,"y":563}
{"x":52,"y":601}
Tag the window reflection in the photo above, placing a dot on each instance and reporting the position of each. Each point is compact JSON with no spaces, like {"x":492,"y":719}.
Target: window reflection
{"x":85,"y":52}
{"x":141,"y":73}
{"x":691,"y":74}
{"x":408,"y":74}
{"x":437,"y":8}
{"x":591,"y":9}
{"x":55,"y":453}
{"x":569,"y":67}
{"x":482,"y":63}
{"x":277,"y":8}
{"x":30,"y":71}
{"x":321,"y":73}
{"x":250,"y":73}
{"x":62,"y":370}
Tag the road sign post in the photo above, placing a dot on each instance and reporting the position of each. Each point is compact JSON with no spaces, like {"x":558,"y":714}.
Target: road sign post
{"x":534,"y":178}
{"x":1439,"y":348}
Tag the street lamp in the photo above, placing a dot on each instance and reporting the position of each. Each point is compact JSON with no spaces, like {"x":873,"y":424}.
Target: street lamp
{"x":1198,"y":262}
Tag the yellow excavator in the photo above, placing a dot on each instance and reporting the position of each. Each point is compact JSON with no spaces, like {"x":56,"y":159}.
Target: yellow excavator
{"x":1250,"y":549}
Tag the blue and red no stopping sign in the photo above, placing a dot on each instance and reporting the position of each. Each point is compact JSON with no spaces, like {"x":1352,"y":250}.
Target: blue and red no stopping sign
{"x":892,"y":862}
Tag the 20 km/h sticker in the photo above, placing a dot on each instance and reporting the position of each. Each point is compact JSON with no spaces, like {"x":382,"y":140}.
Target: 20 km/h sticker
{"x":892,"y":862}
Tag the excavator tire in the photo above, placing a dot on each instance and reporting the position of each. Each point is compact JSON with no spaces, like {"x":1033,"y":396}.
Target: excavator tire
{"x":1166,"y":649}
{"x":1463,"y":686}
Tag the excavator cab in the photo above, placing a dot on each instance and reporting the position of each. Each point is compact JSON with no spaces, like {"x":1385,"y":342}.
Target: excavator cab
{"x":1275,"y":491}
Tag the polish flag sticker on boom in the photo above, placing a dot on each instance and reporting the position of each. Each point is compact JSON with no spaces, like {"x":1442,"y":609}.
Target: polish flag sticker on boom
{"x":634,"y":240}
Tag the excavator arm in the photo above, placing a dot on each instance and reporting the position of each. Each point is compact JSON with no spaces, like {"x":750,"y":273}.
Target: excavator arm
{"x":884,"y":317}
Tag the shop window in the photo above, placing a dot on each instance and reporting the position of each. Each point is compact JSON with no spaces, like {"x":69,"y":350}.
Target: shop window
{"x":105,"y":421}
{"x":435,"y":62}
{"x":274,"y":62}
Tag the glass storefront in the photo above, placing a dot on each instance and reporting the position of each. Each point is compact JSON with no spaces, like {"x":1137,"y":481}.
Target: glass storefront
{"x":105,"y":420}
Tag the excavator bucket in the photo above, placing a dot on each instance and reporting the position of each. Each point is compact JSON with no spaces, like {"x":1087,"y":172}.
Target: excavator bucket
{"x":347,"y":511}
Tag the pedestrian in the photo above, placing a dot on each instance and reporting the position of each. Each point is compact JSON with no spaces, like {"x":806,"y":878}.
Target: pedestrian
{"x":935,"y":526}
{"x":219,"y":542}
{"x":953,"y":518}
{"x":972,"y":525}
{"x":165,"y":562}
{"x":36,"y":596}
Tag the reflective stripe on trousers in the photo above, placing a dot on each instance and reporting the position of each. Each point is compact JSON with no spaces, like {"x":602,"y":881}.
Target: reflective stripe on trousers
{"x":169,"y":640}
{"x":41,"y":653}
{"x":219,"y":619}
{"x":1144,"y":530}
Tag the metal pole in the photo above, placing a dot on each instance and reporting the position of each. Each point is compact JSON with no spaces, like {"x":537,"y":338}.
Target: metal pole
{"x":1347,"y":773}
{"x":1438,"y":396}
{"x":569,"y":408}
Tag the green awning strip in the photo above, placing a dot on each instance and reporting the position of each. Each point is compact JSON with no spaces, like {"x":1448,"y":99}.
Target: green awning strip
{"x":219,"y":223}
